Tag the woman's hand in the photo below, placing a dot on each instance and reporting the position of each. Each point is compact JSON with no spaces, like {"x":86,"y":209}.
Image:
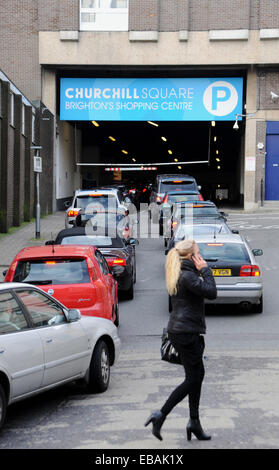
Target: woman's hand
{"x":199,"y":262}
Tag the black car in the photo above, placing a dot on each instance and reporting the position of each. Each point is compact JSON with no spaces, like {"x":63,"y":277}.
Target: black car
{"x":119,"y":253}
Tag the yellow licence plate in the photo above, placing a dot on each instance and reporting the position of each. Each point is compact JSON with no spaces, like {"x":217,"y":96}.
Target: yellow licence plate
{"x":221,"y":272}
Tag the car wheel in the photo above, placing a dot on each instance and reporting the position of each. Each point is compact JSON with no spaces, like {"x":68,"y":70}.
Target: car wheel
{"x":3,"y":406}
{"x":99,"y":369}
{"x":259,"y":307}
{"x":129,"y":294}
{"x":116,"y":321}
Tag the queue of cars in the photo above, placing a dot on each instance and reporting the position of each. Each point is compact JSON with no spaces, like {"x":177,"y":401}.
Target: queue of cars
{"x":232,"y":261}
{"x":59,"y":308}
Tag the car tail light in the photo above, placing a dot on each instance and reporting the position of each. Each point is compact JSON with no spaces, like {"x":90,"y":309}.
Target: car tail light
{"x":158,"y":199}
{"x":166,"y":198}
{"x":116,"y":261}
{"x":119,"y":261}
{"x":72,"y":213}
{"x":174,"y":224}
{"x":250,"y":270}
{"x":201,"y":198}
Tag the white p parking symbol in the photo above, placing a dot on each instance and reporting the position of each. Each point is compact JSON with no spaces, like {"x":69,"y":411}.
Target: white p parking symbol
{"x":220,"y":98}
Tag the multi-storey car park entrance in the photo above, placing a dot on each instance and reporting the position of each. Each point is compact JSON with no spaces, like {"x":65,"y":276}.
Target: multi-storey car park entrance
{"x":106,"y":139}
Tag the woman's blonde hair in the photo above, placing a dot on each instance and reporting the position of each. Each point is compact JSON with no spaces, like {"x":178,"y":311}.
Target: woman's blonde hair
{"x":173,"y":263}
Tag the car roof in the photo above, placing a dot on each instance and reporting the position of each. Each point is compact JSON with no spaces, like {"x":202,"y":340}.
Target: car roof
{"x":196,"y":204}
{"x":61,"y":251}
{"x":81,"y":231}
{"x":181,"y":191}
{"x":174,"y":175}
{"x":96,"y":190}
{"x":14,"y":285}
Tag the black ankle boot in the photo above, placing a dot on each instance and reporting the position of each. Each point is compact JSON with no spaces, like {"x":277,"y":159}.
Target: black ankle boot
{"x":194,"y":426}
{"x":157,"y":419}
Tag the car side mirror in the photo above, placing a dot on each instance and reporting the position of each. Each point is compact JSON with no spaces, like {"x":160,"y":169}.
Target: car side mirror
{"x":73,"y":315}
{"x":50,"y":242}
{"x":257,"y":252}
{"x":5,"y":272}
{"x":132,"y":241}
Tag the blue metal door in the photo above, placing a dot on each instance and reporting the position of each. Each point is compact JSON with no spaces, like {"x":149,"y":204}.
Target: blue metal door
{"x":272,"y":162}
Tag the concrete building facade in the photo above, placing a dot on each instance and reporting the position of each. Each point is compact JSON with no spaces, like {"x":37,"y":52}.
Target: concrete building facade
{"x":47,"y":39}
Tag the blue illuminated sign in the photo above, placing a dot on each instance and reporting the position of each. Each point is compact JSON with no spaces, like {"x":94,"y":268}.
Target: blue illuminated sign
{"x":150,"y":99}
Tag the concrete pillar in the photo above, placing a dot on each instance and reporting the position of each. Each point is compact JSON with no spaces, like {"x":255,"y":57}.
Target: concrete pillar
{"x":250,"y":142}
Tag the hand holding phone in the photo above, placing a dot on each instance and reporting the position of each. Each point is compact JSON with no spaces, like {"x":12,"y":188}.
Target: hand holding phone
{"x":198,"y":261}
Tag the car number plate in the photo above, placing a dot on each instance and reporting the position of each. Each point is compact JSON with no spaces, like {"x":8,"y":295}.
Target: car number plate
{"x":221,"y":272}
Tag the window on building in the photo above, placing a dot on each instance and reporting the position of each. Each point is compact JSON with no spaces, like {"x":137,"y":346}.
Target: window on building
{"x":33,"y":127}
{"x":12,"y":109}
{"x":104,"y":15}
{"x":23,"y":119}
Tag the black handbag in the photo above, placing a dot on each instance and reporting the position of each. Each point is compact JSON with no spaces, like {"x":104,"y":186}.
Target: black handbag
{"x":168,"y":351}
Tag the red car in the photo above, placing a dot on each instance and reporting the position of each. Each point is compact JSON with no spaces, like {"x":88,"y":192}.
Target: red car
{"x":78,"y":276}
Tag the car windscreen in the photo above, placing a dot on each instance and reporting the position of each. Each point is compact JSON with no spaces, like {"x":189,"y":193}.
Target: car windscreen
{"x":177,"y":185}
{"x":100,"y":201}
{"x":98,"y":240}
{"x":66,"y":271}
{"x":192,"y":231}
{"x":231,"y":252}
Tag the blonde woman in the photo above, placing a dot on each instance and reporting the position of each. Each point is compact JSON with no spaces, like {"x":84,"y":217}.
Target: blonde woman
{"x":189,"y":281}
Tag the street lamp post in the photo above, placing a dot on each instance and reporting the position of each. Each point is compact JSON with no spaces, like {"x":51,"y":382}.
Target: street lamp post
{"x":37,"y":170}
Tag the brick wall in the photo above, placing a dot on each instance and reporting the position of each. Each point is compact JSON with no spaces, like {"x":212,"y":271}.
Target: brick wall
{"x":228,"y":14}
{"x":268,"y":80}
{"x":202,"y":15}
{"x":144,"y":15}
{"x":269,"y":14}
{"x":19,"y":53}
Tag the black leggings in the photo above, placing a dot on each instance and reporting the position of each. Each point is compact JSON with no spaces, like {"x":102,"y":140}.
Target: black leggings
{"x":190,"y":348}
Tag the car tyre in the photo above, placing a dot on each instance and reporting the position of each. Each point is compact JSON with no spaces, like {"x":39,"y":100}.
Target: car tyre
{"x":259,"y":307}
{"x":116,"y":321}
{"x":3,"y":406}
{"x":129,"y":294}
{"x":99,"y":369}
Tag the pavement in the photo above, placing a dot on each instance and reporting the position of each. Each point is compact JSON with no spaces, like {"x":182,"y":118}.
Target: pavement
{"x":11,"y":244}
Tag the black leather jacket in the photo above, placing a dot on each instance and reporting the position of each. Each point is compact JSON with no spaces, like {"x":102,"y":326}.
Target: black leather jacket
{"x":194,"y":286}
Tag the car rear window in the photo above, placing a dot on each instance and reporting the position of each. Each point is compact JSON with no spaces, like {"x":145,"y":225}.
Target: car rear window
{"x":105,"y":201}
{"x":204,"y":211}
{"x":194,"y":230}
{"x":182,"y":198}
{"x":234,"y":252}
{"x":66,"y":271}
{"x":176,"y":184}
{"x":98,"y":240}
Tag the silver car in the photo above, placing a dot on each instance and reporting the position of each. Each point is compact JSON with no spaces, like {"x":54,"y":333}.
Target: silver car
{"x":237,"y":273}
{"x":43,"y":345}
{"x":102,"y":199}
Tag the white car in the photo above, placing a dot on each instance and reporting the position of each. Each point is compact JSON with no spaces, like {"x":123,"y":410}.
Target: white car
{"x":102,"y":199}
{"x":43,"y":345}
